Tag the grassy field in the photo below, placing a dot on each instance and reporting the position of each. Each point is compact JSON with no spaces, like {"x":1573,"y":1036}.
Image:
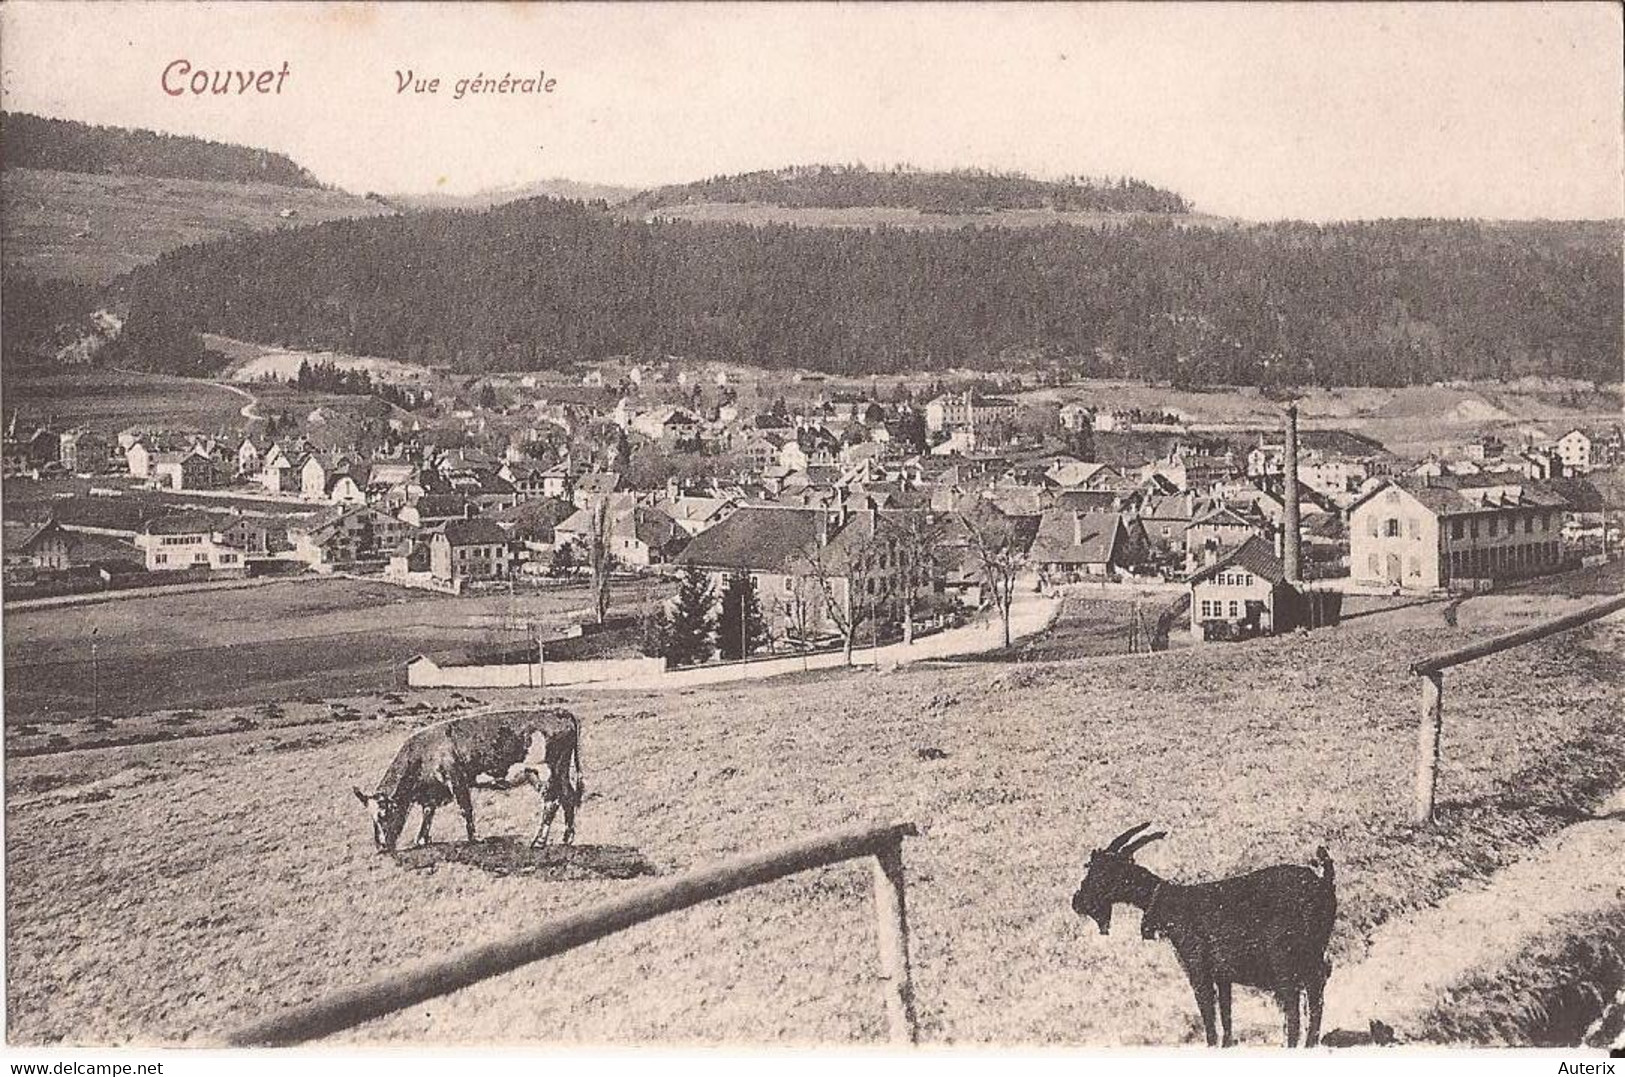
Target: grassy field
{"x":130,"y":919}
{"x":110,"y":400}
{"x":1412,"y":420}
{"x":249,"y":362}
{"x":283,"y":641}
{"x":92,"y":228}
{"x":1089,"y":626}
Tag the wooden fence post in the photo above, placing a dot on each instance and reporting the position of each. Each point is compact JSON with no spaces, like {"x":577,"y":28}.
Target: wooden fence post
{"x":891,"y":926}
{"x":1428,"y":734}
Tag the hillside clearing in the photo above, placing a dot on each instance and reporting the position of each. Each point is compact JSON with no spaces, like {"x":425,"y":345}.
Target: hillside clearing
{"x":110,"y":400}
{"x":134,"y":923}
{"x":251,"y":362}
{"x":91,"y":228}
{"x":284,"y":641}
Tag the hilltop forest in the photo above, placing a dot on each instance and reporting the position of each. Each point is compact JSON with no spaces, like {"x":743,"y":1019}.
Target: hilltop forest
{"x":32,"y":141}
{"x":543,"y":284}
{"x":959,"y":191}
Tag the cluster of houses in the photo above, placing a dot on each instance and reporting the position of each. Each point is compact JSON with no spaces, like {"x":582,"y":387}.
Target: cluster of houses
{"x":841,"y":490}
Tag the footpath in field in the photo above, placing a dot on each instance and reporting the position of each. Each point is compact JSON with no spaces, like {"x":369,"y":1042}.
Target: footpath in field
{"x":1417,"y":966}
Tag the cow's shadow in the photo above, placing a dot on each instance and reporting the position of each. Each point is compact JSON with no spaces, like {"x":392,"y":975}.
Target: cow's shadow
{"x":515,"y":856}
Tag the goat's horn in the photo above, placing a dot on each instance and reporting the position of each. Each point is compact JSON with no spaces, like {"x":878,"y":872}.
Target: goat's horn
{"x":1140,"y":843}
{"x":1117,"y":843}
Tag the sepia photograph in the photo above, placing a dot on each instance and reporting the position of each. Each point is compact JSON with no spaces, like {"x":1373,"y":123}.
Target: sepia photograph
{"x":919,"y":528}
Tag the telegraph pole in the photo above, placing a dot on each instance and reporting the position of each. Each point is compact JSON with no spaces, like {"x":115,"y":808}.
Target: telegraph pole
{"x":95,"y":675}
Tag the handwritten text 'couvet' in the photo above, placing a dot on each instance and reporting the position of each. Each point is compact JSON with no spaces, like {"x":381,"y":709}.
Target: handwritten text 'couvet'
{"x":409,"y":81}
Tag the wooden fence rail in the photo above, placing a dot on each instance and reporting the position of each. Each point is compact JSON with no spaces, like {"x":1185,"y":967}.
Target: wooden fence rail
{"x":1431,"y":670}
{"x":352,"y":1006}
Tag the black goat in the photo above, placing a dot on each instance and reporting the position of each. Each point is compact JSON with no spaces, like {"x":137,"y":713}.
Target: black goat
{"x":1268,"y":928}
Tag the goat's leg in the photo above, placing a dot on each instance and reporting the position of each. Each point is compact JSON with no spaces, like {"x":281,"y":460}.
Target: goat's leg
{"x":1226,"y":1040}
{"x":1287,"y":999}
{"x":423,"y":828}
{"x":1315,"y":992}
{"x":1203,"y":989}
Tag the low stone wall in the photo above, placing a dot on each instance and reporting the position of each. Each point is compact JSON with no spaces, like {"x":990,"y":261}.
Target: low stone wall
{"x":425,"y":672}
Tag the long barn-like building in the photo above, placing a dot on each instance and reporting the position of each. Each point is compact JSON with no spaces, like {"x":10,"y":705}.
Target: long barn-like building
{"x":1429,"y":533}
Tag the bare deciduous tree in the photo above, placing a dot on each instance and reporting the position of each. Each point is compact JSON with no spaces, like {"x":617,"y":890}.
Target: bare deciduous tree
{"x":915,"y":537}
{"x":1000,"y":557}
{"x":845,"y":574}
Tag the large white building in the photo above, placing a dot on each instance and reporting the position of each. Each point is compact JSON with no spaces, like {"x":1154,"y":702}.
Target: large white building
{"x":186,"y":540}
{"x":1429,"y":532}
{"x":1574,"y":449}
{"x":986,"y":417}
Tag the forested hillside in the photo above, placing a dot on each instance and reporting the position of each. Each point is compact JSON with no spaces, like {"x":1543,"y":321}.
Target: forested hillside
{"x":960,"y":191}
{"x":541,"y":284}
{"x":28,"y":141}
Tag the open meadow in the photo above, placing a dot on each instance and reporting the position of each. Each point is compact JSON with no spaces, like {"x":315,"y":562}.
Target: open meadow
{"x":107,"y":401}
{"x":248,"y":362}
{"x":91,"y":228}
{"x":168,"y":892}
{"x":289,"y":640}
{"x":1411,"y":420}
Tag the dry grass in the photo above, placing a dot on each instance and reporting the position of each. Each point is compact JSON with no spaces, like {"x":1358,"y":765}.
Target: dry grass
{"x":110,"y":400}
{"x":1548,"y":996}
{"x":235,"y":877}
{"x":1089,"y":627}
{"x":282,"y":641}
{"x":91,"y":228}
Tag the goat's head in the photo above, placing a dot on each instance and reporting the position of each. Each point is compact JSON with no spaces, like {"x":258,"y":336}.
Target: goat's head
{"x":1111,"y":876}
{"x":388,"y":817}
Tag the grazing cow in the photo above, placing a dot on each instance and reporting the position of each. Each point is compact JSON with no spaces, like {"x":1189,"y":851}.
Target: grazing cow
{"x":444,"y":763}
{"x":1268,"y":928}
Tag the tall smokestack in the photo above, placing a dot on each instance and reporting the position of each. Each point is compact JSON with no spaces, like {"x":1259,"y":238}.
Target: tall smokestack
{"x":1291,"y":556}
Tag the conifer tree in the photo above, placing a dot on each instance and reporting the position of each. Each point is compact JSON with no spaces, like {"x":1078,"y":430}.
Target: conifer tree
{"x":691,"y":619}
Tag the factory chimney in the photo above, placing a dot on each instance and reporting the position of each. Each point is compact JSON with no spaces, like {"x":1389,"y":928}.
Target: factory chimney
{"x":1291,"y":538}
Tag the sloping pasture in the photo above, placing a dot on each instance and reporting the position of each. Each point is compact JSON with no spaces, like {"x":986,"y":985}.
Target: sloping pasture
{"x":219,"y":878}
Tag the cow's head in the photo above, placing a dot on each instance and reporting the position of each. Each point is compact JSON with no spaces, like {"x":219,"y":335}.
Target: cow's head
{"x":388,"y":817}
{"x":1111,"y":876}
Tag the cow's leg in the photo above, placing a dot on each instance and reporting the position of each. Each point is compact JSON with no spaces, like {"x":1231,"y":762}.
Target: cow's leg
{"x":569,"y":802}
{"x":550,"y":808}
{"x":534,"y":779}
{"x":428,"y":820}
{"x":465,"y":803}
{"x":1226,"y":1039}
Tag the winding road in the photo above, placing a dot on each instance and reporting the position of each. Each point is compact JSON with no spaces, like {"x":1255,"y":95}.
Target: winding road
{"x":248,"y":410}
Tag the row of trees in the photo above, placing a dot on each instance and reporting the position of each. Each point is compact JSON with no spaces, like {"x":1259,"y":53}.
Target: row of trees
{"x":327,"y":377}
{"x":1381,"y":303}
{"x":696,"y":629}
{"x":958,"y":191}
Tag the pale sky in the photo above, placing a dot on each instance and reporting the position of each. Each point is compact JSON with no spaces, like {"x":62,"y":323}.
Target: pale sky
{"x":1259,"y":111}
